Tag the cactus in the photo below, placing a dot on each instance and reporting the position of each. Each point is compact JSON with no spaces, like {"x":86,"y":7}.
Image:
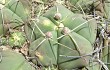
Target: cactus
{"x":57,"y":39}
{"x":16,"y":39}
{"x":11,"y":60}
{"x":54,"y":35}
{"x":12,"y":16}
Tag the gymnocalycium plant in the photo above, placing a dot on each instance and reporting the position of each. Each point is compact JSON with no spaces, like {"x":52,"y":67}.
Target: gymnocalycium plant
{"x":52,"y":35}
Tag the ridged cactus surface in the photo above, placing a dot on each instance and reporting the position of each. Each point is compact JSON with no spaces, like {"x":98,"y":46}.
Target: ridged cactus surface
{"x":59,"y":34}
{"x":54,"y":35}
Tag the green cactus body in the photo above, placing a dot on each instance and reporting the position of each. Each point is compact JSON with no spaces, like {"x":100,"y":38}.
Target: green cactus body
{"x":81,"y":5}
{"x":71,"y":21}
{"x":106,"y":8}
{"x":43,"y":23}
{"x":17,"y":8}
{"x":58,"y":37}
{"x":10,"y":15}
{"x":76,"y":45}
{"x":72,"y":35}
{"x":14,"y":61}
{"x":45,"y":49}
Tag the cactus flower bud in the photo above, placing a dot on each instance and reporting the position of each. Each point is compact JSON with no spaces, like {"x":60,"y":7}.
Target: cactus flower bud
{"x":57,"y":16}
{"x":66,"y":30}
{"x":48,"y":35}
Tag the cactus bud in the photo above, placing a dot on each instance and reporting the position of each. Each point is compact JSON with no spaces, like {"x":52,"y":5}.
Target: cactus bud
{"x":66,"y":30}
{"x":48,"y":35}
{"x":57,"y":16}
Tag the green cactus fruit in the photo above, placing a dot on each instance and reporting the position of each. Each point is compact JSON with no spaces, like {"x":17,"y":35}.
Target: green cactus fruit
{"x":13,"y":61}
